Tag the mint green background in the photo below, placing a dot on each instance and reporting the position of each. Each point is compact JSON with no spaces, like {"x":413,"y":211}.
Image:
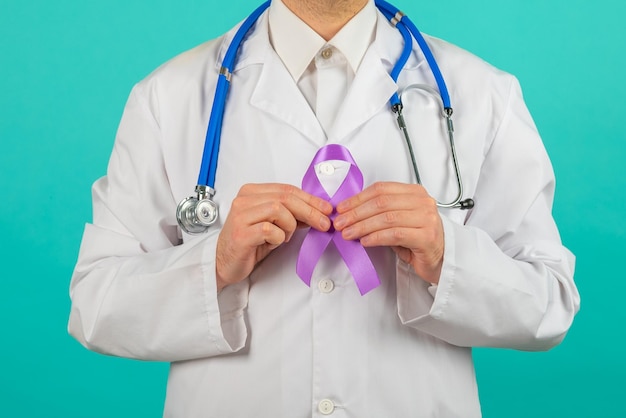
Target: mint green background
{"x":66,"y":68}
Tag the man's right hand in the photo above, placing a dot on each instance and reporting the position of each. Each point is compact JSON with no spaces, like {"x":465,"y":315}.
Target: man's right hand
{"x":261,"y":218}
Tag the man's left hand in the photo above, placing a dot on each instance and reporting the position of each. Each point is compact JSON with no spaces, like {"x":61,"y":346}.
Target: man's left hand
{"x":401,"y":216}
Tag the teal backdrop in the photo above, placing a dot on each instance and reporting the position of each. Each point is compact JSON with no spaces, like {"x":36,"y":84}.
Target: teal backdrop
{"x":66,"y":68}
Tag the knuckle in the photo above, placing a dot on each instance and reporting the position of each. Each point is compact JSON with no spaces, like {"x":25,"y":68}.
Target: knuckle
{"x":398,"y":234}
{"x":235,"y":205}
{"x":274,"y":208}
{"x":379,"y":187}
{"x":390,"y":217}
{"x":284,"y":196}
{"x":381,"y":202}
{"x":246,"y":189}
{"x":432,"y":218}
{"x":266,"y":228}
{"x":286,"y":190}
{"x":353,"y":201}
{"x":238,"y":204}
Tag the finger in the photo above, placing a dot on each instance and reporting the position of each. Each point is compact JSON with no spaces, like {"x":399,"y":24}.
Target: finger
{"x":415,"y":218}
{"x":286,"y":192}
{"x":246,"y":212}
{"x":424,"y":240}
{"x":299,"y":210}
{"x":269,"y":233}
{"x":379,"y":204}
{"x":388,"y":206}
{"x":246,"y":237}
{"x":422,"y":248}
{"x":380,"y":189}
{"x":305,"y":208}
{"x":311,"y":210}
{"x":308,"y":215}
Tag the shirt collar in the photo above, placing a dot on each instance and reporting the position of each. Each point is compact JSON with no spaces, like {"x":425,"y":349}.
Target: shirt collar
{"x":297,"y":44}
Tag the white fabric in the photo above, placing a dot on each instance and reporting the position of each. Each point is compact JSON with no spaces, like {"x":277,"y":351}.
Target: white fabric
{"x":270,"y":346}
{"x":332,"y":86}
{"x":322,"y":70}
{"x":297,"y":44}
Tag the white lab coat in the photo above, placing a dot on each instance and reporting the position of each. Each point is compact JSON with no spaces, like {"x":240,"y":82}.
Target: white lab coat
{"x":270,"y":346}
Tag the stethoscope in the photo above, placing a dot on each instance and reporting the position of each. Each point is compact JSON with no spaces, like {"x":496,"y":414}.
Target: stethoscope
{"x":195,"y":214}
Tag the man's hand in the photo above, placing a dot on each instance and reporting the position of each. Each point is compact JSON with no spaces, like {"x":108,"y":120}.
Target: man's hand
{"x":401,"y":216}
{"x":261,"y":218}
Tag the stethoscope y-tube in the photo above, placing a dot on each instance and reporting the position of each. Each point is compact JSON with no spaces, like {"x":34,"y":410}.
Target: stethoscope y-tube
{"x":409,"y":31}
{"x":195,"y":214}
{"x":457,"y":202}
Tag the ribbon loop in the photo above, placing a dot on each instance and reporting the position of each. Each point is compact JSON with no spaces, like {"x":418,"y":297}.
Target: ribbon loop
{"x":316,"y":242}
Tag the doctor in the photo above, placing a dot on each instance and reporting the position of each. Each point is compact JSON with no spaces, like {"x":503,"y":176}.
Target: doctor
{"x":244,"y":335}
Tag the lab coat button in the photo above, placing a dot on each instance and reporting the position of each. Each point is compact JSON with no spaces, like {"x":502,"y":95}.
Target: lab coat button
{"x":326,"y":285}
{"x":327,"y":168}
{"x":326,"y":406}
{"x":327,"y":53}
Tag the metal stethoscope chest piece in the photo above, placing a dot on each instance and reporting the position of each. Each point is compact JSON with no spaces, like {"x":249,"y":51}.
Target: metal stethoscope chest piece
{"x":195,"y":214}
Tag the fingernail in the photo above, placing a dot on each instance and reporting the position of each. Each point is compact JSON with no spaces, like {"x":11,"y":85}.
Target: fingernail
{"x":348,"y":233}
{"x":339,"y":222}
{"x":324,"y":222}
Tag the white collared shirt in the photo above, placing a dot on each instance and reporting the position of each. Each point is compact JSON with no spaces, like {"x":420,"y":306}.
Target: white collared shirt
{"x":321,"y":68}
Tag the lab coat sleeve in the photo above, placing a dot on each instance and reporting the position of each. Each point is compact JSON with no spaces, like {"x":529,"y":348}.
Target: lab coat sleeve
{"x":506,"y":279}
{"x":136,"y":291}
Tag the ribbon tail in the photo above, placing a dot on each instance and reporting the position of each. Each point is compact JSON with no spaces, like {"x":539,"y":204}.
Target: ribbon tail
{"x":359,"y":264}
{"x":311,"y":251}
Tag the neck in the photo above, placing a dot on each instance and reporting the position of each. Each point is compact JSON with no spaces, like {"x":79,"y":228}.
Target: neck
{"x":326,"y":17}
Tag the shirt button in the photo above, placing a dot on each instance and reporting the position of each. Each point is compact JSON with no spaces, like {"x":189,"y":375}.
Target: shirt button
{"x":327,"y":53}
{"x":326,"y":406}
{"x":326,"y":285}
{"x":327,"y":168}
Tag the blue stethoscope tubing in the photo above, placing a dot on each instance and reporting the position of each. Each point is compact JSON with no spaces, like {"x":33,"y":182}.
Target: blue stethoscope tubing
{"x":208,"y":167}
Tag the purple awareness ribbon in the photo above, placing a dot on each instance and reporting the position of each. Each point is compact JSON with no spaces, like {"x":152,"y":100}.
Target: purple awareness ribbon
{"x":315,"y":242}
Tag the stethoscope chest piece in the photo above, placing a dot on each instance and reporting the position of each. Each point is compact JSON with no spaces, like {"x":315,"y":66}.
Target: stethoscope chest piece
{"x":196,"y":214}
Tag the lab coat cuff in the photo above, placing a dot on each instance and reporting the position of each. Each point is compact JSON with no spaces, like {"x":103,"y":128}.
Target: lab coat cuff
{"x":418,"y":301}
{"x":224,"y":310}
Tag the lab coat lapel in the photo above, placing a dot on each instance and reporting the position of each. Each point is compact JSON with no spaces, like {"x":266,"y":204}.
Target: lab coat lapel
{"x":369,"y":94}
{"x":372,"y":86}
{"x":277,"y":94}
